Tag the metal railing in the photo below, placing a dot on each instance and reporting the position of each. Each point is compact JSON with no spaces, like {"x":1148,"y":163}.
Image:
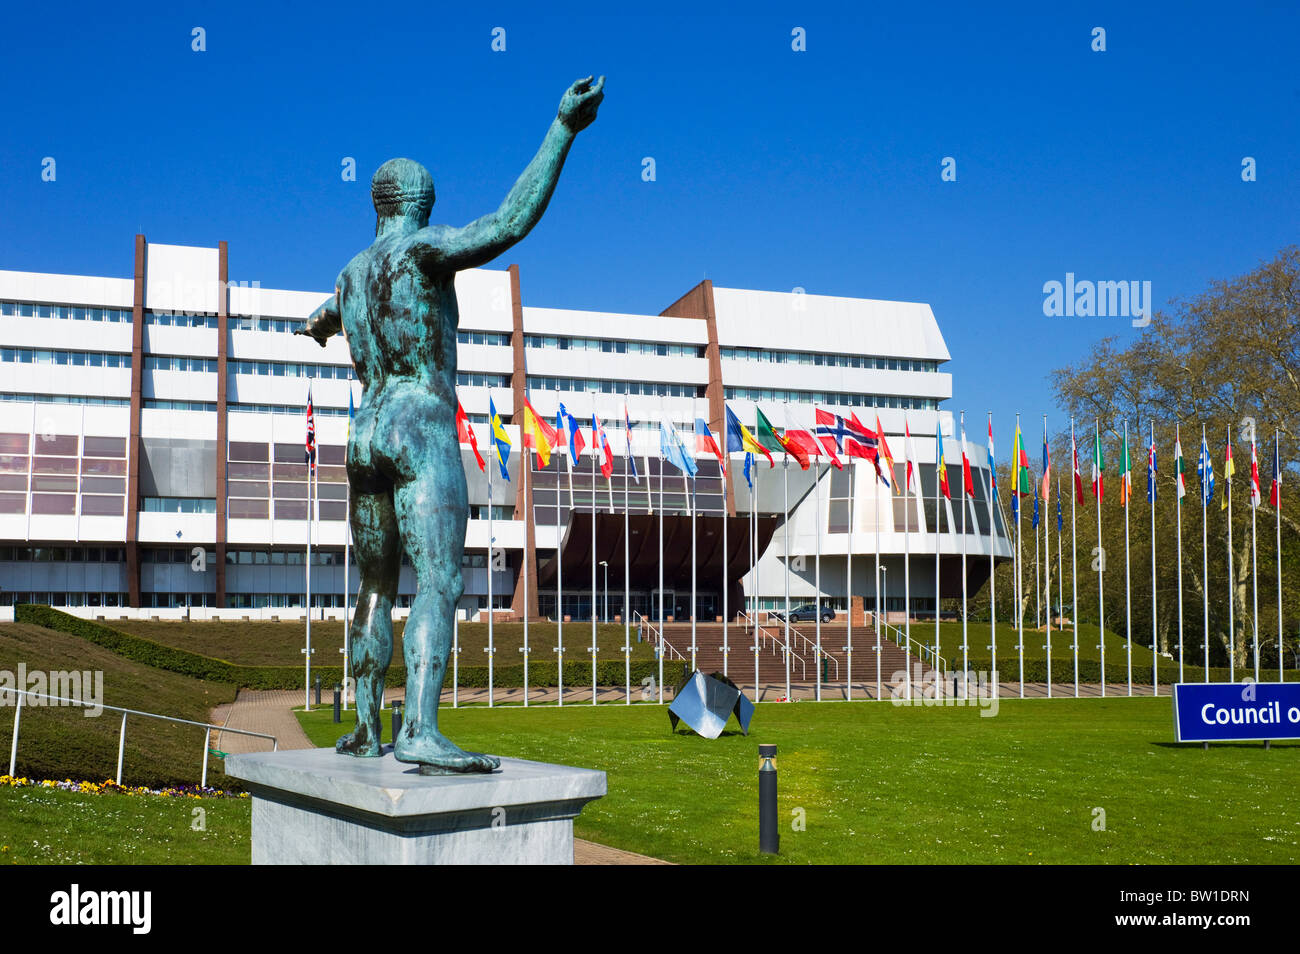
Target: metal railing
{"x":913,"y":647}
{"x":121,"y":738}
{"x":810,"y":645}
{"x":663,"y":644}
{"x":762,"y":634}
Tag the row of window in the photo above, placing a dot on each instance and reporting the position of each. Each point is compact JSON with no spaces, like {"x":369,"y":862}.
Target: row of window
{"x":297,"y":410}
{"x":76,"y":359}
{"x":178,"y":505}
{"x":817,"y":359}
{"x":288,"y":369}
{"x":589,"y":385}
{"x":612,"y":346}
{"x":179,"y":321}
{"x":11,"y":598}
{"x":160,"y":404}
{"x":180,"y":362}
{"x":483,"y":338}
{"x":832,"y":398}
{"x":87,"y":399}
{"x":282,"y":325}
{"x":281,"y":557}
{"x":478,"y":379}
{"x":62,"y":555}
{"x":63,"y":445}
{"x":23,"y":309}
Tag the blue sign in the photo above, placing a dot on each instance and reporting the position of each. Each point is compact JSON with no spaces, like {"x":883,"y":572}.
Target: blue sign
{"x":1236,"y":711}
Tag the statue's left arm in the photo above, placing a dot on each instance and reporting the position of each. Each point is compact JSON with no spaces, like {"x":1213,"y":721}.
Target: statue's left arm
{"x":487,"y":237}
{"x":324,"y":322}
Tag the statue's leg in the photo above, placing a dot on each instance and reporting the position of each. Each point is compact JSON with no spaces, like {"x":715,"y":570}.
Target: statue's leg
{"x":378,"y":548}
{"x":431,"y":510}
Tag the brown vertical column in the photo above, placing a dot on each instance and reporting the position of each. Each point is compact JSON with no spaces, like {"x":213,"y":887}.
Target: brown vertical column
{"x":698,"y":303}
{"x":223,"y":349}
{"x":133,"y":443}
{"x":524,"y":490}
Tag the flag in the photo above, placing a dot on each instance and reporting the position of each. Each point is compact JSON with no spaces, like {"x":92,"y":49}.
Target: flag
{"x":631,"y":458}
{"x":1078,"y":477}
{"x":749,"y":466}
{"x":538,"y":434}
{"x":740,"y":439}
{"x":1151,"y":471}
{"x":768,"y":437}
{"x":352,"y":413}
{"x":705,"y":444}
{"x":674,"y":451}
{"x":1098,"y":468}
{"x":599,"y":443}
{"x":1060,"y":518}
{"x":465,"y":435}
{"x":311,"y":432}
{"x":804,"y":441}
{"x":1020,"y":483}
{"x":1205,"y":470}
{"x":832,"y":432}
{"x":883,"y":451}
{"x":1034,"y":518}
{"x":1275,"y":491}
{"x":857,"y":439}
{"x":1229,"y":469}
{"x":967,"y":480}
{"x":911,"y":483}
{"x":500,"y":439}
{"x":1047,"y":470}
{"x":993,"y":470}
{"x":1180,"y":468}
{"x":943,"y":463}
{"x":1254,"y":475}
{"x":567,"y":425}
{"x":1125,"y":474}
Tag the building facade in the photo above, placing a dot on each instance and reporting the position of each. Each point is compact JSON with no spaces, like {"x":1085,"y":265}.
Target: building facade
{"x":152,"y":435}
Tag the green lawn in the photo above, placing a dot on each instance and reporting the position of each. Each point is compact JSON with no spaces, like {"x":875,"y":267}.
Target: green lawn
{"x":63,"y":742}
{"x":46,"y":826}
{"x":879,"y":783}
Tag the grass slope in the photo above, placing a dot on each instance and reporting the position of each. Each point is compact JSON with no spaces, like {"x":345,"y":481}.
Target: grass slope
{"x":879,"y":783}
{"x":62,"y":742}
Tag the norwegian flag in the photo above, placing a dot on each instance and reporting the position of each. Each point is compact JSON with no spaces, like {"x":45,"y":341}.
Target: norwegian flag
{"x":851,"y":439}
{"x":311,"y":432}
{"x":1254,"y":474}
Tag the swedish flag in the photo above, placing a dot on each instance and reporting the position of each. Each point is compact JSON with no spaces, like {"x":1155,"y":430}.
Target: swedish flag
{"x":500,"y":439}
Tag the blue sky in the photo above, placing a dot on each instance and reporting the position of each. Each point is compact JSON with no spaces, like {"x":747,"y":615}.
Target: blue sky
{"x":775,"y":168}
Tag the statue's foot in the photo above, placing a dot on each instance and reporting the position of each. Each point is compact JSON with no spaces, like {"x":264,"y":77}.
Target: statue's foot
{"x":360,"y":742}
{"x":438,"y":755}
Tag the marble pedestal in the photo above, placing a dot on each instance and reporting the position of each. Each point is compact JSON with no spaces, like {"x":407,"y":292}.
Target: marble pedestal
{"x":314,"y":806}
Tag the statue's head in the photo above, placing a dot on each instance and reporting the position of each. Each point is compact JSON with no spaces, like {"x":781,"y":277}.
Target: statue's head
{"x":402,"y":189}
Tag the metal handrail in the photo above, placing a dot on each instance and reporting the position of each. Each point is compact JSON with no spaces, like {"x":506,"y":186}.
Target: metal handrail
{"x":777,"y":642}
{"x":923,"y":652}
{"x":811,"y":646}
{"x":121,"y":738}
{"x":663,"y":643}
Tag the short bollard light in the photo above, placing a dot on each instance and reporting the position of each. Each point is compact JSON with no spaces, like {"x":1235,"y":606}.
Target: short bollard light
{"x":338,"y":702}
{"x":397,"y":718}
{"x":318,"y":689}
{"x":769,"y":838}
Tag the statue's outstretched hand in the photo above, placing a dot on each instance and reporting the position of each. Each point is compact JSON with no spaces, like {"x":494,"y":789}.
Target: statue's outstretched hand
{"x":304,"y":330}
{"x":580,"y":102}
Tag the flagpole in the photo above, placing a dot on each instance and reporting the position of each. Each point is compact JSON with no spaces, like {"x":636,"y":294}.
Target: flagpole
{"x":594,"y":451}
{"x":1206,"y":469}
{"x":785,"y":479}
{"x":1232,"y":582}
{"x":493,"y":456}
{"x":695,"y":602}
{"x":347,"y":584}
{"x":525,"y":465}
{"x":1020,"y":595}
{"x":661,"y":554}
{"x":1254,"y":552}
{"x":1074,"y":552}
{"x":1277,"y":476}
{"x":993,"y":613}
{"x":1180,"y":488}
{"x":754,"y":557}
{"x":1047,"y":556}
{"x":1127,"y":496}
{"x":907,"y":519}
{"x":848,"y":584}
{"x":966,"y":502}
{"x":725,"y":465}
{"x":1098,"y":492}
{"x":1155,"y":636}
{"x":817,"y":570}
{"x":628,"y":465}
{"x":1038,"y":603}
{"x":876,"y":585}
{"x":311,"y":466}
{"x":559,"y":569}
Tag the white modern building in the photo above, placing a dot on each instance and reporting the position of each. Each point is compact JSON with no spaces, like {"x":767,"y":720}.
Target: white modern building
{"x":152,"y":445}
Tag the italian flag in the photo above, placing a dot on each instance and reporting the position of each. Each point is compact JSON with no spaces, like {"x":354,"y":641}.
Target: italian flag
{"x":1125,"y":476}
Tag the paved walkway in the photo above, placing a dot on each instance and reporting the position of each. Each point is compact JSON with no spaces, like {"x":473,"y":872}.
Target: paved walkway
{"x":271,"y":712}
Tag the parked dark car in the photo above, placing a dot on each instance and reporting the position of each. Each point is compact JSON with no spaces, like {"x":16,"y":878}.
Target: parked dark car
{"x":807,"y":613}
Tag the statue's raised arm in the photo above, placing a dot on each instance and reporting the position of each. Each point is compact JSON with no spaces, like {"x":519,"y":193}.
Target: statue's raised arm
{"x":487,"y":237}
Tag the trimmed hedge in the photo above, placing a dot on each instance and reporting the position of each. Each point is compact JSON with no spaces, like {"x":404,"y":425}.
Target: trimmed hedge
{"x":609,"y":672}
{"x":1090,"y":670}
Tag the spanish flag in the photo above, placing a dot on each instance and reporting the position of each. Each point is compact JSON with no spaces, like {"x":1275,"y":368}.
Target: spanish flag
{"x":538,"y":434}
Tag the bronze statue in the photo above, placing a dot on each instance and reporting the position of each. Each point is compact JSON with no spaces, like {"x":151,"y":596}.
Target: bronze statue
{"x":396,"y":302}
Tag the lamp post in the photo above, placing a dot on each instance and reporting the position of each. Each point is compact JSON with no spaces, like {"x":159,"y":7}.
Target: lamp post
{"x":605,"y":564}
